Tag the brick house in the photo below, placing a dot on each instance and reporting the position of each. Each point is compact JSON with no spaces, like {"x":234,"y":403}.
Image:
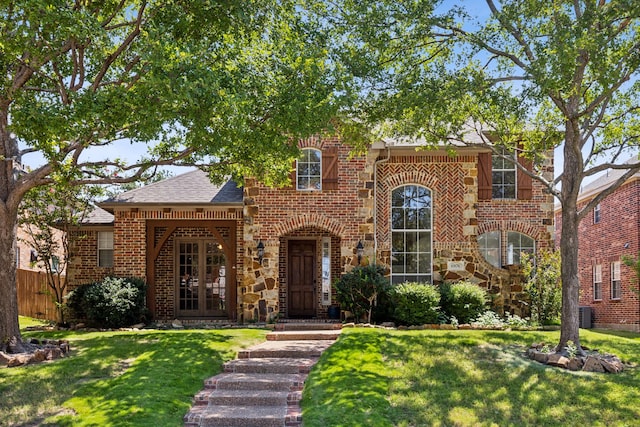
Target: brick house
{"x":256,"y":253}
{"x":607,"y":234}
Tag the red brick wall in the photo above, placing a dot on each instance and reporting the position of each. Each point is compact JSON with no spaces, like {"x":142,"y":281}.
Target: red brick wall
{"x":604,"y":243}
{"x":83,"y":267}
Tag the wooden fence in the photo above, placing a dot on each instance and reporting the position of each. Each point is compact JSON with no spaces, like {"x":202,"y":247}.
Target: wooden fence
{"x":35,"y":298}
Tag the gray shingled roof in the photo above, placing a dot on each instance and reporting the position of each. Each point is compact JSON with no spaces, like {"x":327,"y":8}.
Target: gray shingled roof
{"x":98,"y":216}
{"x":190,"y":188}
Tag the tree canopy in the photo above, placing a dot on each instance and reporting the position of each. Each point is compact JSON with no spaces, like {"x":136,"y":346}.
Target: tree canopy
{"x":224,"y":85}
{"x":531,"y":74}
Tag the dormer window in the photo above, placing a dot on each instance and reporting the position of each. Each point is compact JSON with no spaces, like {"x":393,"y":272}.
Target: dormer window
{"x":309,"y":170}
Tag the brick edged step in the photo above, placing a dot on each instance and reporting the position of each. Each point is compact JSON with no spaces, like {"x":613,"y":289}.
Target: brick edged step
{"x":329,"y":334}
{"x":270,"y":365}
{"x":331,"y":326}
{"x":287,"y":349}
{"x":263,"y":387}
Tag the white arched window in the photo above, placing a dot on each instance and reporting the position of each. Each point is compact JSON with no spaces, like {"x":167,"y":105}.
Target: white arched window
{"x":411,"y":234}
{"x":491,"y":248}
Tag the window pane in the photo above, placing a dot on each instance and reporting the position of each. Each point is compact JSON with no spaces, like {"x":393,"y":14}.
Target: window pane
{"x":424,"y":242}
{"x":411,"y":219}
{"x":397,"y":242}
{"x":411,"y":263}
{"x":412,"y":242}
{"x":424,"y":219}
{"x":424,"y":263}
{"x":397,"y":218}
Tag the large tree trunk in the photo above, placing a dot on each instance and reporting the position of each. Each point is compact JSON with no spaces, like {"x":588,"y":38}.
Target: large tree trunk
{"x":9,"y":326}
{"x":571,"y":181}
{"x":570,"y":328}
{"x":9,"y":153}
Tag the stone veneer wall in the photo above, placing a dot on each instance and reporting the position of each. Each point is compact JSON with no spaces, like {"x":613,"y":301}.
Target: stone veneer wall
{"x":275,"y":215}
{"x":459,"y":217}
{"x":603,"y":243}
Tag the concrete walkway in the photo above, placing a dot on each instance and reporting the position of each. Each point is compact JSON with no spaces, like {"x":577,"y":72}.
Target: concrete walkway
{"x":263,"y":386}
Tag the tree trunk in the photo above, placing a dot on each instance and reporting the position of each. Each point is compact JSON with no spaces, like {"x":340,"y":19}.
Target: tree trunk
{"x":9,"y":154}
{"x":570,"y":328}
{"x":571,"y":181}
{"x":9,"y":326}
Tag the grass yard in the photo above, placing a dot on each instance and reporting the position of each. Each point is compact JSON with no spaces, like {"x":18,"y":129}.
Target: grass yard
{"x":466,"y":378}
{"x":144,"y":378}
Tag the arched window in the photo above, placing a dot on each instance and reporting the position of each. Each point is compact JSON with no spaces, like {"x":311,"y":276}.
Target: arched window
{"x":309,"y":170}
{"x":491,"y":248}
{"x":411,"y":234}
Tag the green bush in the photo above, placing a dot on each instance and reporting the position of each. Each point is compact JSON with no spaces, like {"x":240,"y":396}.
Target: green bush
{"x":358,"y":290}
{"x":543,"y":285}
{"x":463,"y":300}
{"x":112,"y":303}
{"x":415,"y":303}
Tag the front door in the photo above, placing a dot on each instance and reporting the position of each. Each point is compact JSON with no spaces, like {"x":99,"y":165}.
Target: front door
{"x":302,"y":278}
{"x":201,"y":281}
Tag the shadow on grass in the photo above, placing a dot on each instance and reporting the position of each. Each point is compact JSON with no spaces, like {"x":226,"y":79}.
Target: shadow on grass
{"x":144,"y":378}
{"x":466,"y":378}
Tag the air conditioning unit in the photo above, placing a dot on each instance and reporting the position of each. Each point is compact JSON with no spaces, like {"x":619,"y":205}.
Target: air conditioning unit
{"x":584,"y":315}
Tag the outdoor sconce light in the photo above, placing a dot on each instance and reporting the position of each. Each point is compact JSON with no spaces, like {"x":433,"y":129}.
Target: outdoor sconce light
{"x":260,"y":250}
{"x":360,"y":251}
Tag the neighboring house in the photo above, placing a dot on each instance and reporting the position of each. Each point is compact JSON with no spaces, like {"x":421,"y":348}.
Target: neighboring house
{"x":607,"y":234}
{"x":257,"y":253}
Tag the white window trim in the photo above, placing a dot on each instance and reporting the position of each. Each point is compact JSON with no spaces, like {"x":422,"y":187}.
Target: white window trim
{"x":597,"y":214}
{"x":101,"y":247}
{"x":320,"y":177}
{"x":515,"y":176}
{"x":615,"y":278}
{"x":404,"y":231}
{"x":597,"y":281}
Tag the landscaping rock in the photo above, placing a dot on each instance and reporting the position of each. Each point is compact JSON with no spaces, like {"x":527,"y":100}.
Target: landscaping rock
{"x":541,"y":357}
{"x":612,"y":364}
{"x":177,"y":324}
{"x":575,"y":364}
{"x":592,"y":364}
{"x":558,"y":360}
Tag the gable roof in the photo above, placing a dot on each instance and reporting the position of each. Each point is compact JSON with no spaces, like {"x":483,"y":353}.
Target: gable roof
{"x":191,"y":188}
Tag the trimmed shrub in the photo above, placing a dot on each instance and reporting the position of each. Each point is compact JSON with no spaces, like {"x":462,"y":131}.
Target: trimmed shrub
{"x":463,"y":300}
{"x":415,"y":303}
{"x":358,"y":290}
{"x":112,"y":303}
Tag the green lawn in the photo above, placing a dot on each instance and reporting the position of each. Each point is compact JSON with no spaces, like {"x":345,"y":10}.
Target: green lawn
{"x":466,"y":378}
{"x":368,"y":378}
{"x":144,"y":378}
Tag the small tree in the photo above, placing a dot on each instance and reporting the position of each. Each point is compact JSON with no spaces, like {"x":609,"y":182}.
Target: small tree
{"x":634,"y":264}
{"x":358,"y":290}
{"x":47,"y":214}
{"x":544,"y":285}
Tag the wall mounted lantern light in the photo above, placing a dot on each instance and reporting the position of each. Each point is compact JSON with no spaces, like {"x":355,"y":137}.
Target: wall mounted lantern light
{"x":260,"y":250}
{"x":359,"y":251}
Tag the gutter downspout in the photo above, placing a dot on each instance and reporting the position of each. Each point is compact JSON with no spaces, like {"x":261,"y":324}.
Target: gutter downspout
{"x":375,"y":203}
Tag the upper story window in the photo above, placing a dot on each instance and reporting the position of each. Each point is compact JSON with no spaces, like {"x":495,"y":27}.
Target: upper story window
{"x":411,"y":252}
{"x":597,"y":282}
{"x":105,"y":249}
{"x":503,"y":178}
{"x":500,"y":178}
{"x":491,"y":248}
{"x":309,"y":170}
{"x":596,"y":214}
{"x":616,"y":290}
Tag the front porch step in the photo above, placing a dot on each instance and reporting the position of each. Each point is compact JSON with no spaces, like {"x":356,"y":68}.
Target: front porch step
{"x":315,"y":335}
{"x":286,"y":349}
{"x":231,"y":416}
{"x":270,"y":365}
{"x":307,"y":326}
{"x":263,"y":386}
{"x":241,"y":398}
{"x":262,"y":382}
